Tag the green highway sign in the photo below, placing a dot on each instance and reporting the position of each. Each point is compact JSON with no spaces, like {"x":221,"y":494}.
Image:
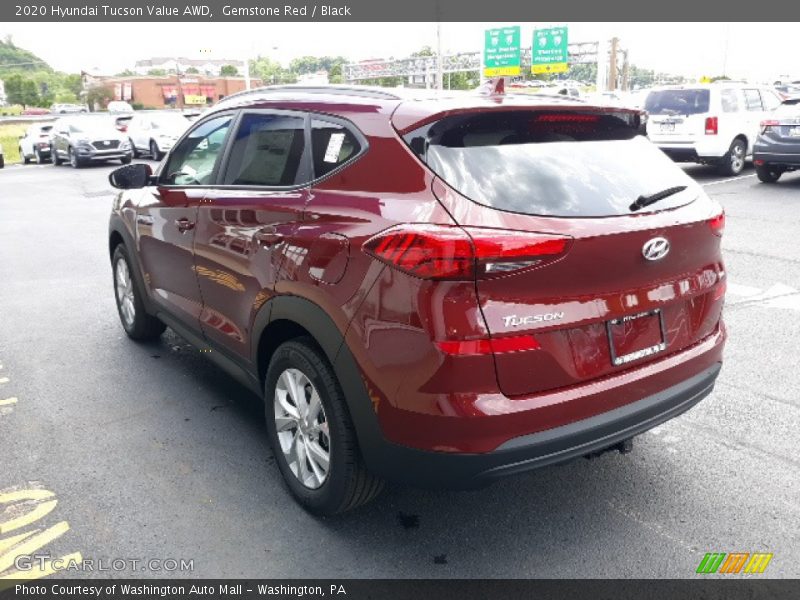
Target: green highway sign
{"x":502,"y":52}
{"x":549,"y":50}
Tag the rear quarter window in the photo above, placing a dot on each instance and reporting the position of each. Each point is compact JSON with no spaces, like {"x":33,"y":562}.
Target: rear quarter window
{"x":678,"y":102}
{"x":570,"y":164}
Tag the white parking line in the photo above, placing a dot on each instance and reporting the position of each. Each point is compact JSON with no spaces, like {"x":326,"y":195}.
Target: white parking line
{"x":728,"y":180}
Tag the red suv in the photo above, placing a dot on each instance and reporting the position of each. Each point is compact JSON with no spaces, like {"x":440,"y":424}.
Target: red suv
{"x":440,"y":290}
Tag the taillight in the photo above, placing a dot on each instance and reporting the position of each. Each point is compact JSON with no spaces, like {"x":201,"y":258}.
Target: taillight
{"x":765,"y":125}
{"x":717,"y":224}
{"x":517,"y":343}
{"x":712,"y":125}
{"x":462,"y":253}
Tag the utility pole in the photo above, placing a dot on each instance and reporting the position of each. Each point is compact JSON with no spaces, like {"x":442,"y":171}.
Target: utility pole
{"x":625,"y":71}
{"x":179,"y":101}
{"x":602,"y":63}
{"x":612,"y":66}
{"x":439,"y":66}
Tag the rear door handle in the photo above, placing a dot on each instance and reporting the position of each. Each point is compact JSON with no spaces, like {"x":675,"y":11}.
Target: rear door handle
{"x":268,"y":236}
{"x":184,"y":224}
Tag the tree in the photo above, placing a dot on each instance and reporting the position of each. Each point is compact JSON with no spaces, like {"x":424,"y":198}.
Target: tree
{"x":229,"y":71}
{"x":157,"y":72}
{"x":270,"y":71}
{"x":98,"y":96}
{"x":194,"y":71}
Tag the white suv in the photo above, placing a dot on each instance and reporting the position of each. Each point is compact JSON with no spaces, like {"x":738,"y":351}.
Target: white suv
{"x":713,"y":123}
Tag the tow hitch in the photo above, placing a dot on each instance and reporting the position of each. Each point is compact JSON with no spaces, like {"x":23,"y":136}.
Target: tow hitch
{"x":623,"y":447}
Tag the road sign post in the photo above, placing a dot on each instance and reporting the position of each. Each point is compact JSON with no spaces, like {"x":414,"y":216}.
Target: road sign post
{"x":502,"y":54}
{"x":549,"y":51}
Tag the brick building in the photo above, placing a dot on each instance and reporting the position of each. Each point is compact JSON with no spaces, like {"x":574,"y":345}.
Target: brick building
{"x":169,"y":90}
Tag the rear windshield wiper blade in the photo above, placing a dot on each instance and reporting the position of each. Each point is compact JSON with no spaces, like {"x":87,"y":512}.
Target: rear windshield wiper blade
{"x":643,"y":201}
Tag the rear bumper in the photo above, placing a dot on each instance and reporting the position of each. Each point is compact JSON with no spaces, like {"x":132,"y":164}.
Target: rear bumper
{"x":691,"y":152}
{"x":778,"y":158}
{"x":602,"y":431}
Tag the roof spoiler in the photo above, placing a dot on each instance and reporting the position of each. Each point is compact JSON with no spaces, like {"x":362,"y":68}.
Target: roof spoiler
{"x":493,"y":87}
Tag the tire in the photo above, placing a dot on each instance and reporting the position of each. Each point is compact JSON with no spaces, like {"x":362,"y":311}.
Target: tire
{"x":346,"y":483}
{"x":25,"y":159}
{"x":74,"y":161}
{"x":136,"y":322}
{"x":733,"y":161}
{"x":54,"y":157}
{"x":125,"y":160}
{"x":2,"y":161}
{"x":134,"y":151}
{"x":154,"y":151}
{"x":768,"y":174}
{"x":39,"y":157}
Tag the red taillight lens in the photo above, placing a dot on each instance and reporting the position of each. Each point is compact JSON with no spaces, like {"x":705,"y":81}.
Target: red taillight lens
{"x":712,"y":125}
{"x":448,"y":252}
{"x":717,"y":224}
{"x":765,"y":125}
{"x":519,"y":343}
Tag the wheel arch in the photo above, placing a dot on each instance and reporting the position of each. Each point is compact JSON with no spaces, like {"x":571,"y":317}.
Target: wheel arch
{"x":286,"y":317}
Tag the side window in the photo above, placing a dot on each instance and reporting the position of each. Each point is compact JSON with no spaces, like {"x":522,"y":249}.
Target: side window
{"x":752,"y":100}
{"x":770,"y":100}
{"x":192,"y":161}
{"x":332,"y":145}
{"x":730,"y":101}
{"x":268,"y":150}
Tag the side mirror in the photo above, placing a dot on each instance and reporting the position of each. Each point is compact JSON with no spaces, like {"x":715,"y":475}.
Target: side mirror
{"x":130,"y":177}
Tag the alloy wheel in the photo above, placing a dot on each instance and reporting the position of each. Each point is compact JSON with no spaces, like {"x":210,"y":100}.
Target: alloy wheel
{"x":302,"y":428}
{"x":124,"y":288}
{"x":737,"y":157}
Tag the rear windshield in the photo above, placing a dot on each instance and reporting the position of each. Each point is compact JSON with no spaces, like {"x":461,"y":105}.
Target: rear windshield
{"x":788,"y":109}
{"x":677,"y":102}
{"x":550,"y":163}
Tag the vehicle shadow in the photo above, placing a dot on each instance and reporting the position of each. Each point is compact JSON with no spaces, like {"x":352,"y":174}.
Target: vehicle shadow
{"x":708,"y":173}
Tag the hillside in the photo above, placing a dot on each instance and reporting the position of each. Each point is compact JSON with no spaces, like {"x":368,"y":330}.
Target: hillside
{"x":23,"y":60}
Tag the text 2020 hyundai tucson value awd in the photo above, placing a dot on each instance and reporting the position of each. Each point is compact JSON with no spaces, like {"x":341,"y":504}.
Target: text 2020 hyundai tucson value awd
{"x":439,"y":290}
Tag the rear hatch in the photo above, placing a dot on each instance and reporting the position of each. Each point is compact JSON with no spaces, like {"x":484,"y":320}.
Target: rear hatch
{"x":782,"y":128}
{"x":612,"y":254}
{"x":677,"y":116}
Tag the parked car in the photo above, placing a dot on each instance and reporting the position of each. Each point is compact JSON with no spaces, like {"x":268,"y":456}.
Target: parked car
{"x":714,"y":124}
{"x":777,"y":148}
{"x":119,"y":106}
{"x":91,"y":138}
{"x":121,"y":122}
{"x":34,"y":111}
{"x":154,"y":133}
{"x":35,"y":144}
{"x":62,"y":109}
{"x":440,"y":291}
{"x":2,"y":157}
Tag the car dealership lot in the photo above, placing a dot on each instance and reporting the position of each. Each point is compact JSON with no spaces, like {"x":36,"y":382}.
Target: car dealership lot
{"x":154,"y":453}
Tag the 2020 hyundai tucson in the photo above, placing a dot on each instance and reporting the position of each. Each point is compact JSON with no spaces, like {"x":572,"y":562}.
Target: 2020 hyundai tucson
{"x":439,"y":290}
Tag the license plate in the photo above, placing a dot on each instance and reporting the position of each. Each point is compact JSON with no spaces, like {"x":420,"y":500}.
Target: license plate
{"x":637,"y":336}
{"x":668,"y":127}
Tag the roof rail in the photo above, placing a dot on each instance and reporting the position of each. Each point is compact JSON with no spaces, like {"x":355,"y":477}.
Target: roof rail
{"x":344,"y":90}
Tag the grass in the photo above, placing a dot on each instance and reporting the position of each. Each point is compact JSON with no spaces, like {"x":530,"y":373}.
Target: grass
{"x":9,"y":139}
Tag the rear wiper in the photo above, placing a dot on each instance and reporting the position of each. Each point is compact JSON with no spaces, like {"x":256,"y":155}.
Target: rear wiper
{"x":643,"y":201}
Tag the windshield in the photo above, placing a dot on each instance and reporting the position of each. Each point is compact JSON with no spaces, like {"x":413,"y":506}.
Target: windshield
{"x":87,"y":124}
{"x":677,"y":102}
{"x":572,"y":165}
{"x":171,"y":121}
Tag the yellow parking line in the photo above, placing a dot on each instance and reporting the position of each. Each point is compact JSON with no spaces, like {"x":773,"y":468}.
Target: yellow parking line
{"x":8,"y":401}
{"x":33,"y":544}
{"x":32,"y":494}
{"x":37,"y":513}
{"x":14,"y":540}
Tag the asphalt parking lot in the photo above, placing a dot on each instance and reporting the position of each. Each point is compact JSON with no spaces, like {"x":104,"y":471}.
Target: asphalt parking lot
{"x":150,"y":452}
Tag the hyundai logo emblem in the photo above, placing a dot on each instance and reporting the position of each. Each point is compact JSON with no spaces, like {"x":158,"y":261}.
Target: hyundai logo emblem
{"x":655,"y":249}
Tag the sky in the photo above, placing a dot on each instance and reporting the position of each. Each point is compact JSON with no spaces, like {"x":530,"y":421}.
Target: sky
{"x":756,"y":51}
